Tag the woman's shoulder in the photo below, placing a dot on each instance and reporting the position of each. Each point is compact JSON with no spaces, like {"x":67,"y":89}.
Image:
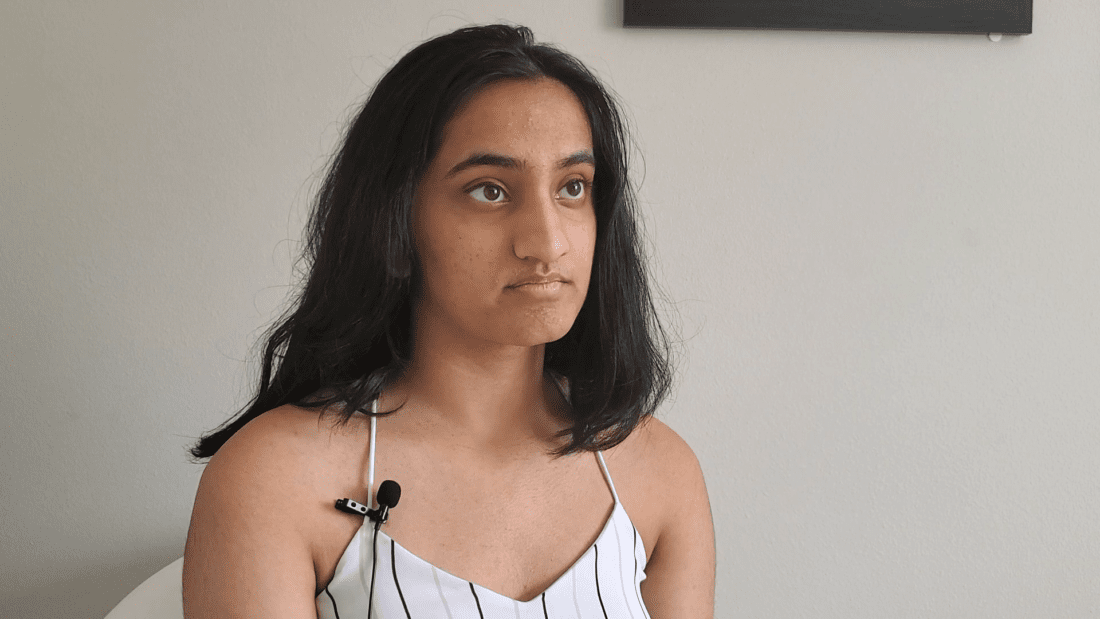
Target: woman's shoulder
{"x":286,"y":450}
{"x":655,"y":471}
{"x":261,"y":485}
{"x":271,"y":438}
{"x":655,"y":451}
{"x":666,"y":486}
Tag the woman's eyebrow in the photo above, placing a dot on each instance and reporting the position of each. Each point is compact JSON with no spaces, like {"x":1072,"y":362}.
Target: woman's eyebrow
{"x":484,"y":159}
{"x":503,"y":161}
{"x":577,"y":158}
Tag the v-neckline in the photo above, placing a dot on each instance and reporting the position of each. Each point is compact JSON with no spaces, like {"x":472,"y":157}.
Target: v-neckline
{"x":606,"y":527}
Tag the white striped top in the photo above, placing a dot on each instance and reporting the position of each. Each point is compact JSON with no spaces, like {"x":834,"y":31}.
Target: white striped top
{"x":604,"y":583}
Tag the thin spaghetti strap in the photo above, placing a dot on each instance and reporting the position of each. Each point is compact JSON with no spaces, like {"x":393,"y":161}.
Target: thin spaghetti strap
{"x":370,"y":467}
{"x":606,"y":475}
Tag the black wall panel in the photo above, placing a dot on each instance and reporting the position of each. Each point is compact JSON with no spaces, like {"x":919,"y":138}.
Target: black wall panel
{"x":973,"y":16}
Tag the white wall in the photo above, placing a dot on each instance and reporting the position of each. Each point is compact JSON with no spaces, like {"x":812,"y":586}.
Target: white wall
{"x":882,"y":247}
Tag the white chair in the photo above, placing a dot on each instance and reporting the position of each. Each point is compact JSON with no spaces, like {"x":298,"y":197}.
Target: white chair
{"x":159,"y":597}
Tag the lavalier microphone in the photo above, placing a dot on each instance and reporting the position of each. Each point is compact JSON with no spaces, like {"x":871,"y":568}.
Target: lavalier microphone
{"x":389,"y":493}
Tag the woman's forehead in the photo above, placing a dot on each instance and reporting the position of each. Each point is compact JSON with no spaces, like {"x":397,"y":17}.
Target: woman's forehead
{"x":537,"y":122}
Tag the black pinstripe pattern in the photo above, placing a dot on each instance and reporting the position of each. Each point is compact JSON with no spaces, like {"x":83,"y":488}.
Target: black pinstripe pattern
{"x":334,"y":609}
{"x":620,"y":567}
{"x":393,"y":563}
{"x":476,"y":601}
{"x":636,"y":589}
{"x":596,"y":564}
{"x":634,"y":549}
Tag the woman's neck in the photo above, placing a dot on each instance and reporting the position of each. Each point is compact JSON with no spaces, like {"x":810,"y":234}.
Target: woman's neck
{"x":489,"y":396}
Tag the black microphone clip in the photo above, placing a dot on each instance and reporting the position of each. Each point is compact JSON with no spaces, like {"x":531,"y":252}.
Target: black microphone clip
{"x":389,"y":493}
{"x":352,"y":507}
{"x":380,"y":515}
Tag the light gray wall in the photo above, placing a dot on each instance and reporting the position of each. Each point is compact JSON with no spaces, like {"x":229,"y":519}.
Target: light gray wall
{"x":882,"y":248}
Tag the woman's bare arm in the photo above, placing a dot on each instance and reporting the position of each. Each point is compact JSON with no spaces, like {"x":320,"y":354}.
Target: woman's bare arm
{"x":247,"y":554}
{"x":680,"y":573}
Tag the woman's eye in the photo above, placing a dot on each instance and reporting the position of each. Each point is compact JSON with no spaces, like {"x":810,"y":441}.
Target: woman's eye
{"x":487,"y":193}
{"x":574,"y":189}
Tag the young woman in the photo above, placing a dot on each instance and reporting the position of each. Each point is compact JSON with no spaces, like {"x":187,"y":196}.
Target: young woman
{"x":476,"y":326}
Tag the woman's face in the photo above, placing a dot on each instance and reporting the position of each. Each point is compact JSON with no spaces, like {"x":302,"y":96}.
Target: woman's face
{"x":503,"y":222}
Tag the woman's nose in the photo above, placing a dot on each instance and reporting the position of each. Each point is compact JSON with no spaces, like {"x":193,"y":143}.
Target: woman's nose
{"x":539,"y":230}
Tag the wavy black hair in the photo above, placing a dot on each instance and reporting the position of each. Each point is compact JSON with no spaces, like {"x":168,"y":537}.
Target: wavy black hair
{"x":350,"y":329}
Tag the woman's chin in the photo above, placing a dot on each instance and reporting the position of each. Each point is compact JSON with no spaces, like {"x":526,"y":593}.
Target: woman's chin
{"x":534,"y":333}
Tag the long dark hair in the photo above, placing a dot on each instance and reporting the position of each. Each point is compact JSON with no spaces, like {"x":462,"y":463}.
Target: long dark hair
{"x":350,"y":329}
